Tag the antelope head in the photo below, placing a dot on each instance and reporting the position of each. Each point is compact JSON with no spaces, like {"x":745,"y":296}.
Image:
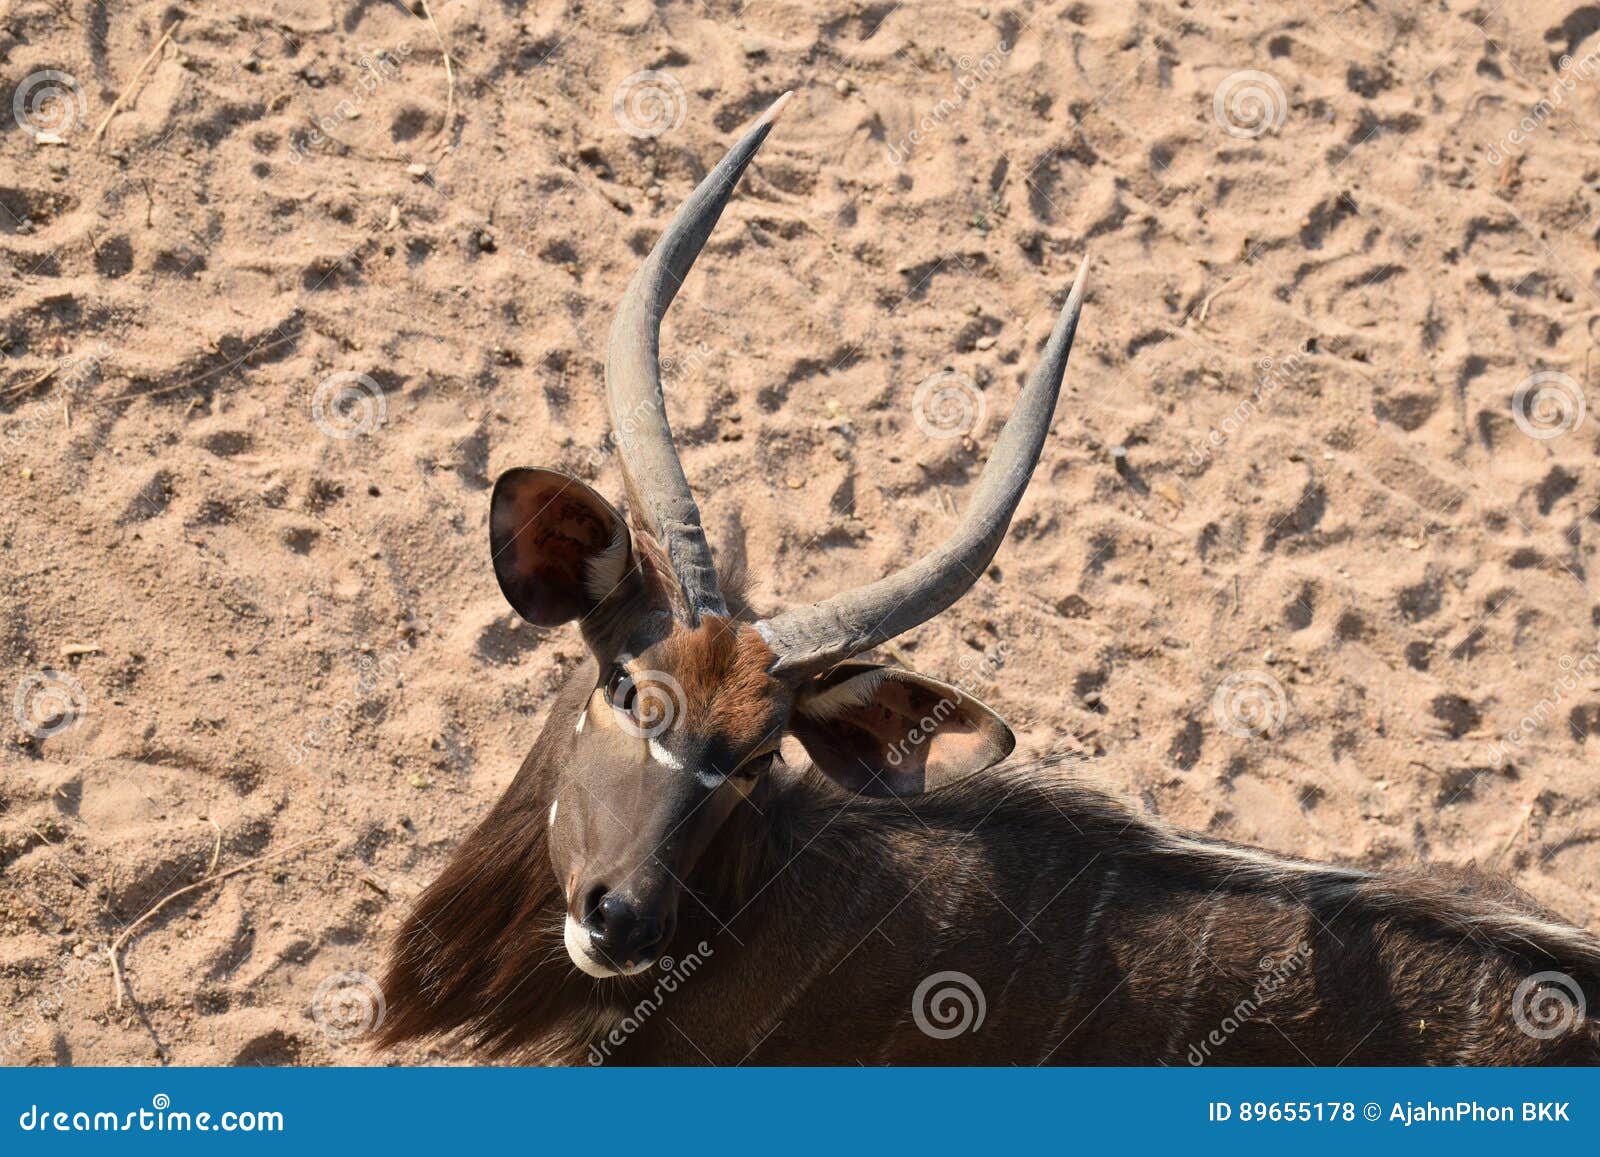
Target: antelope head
{"x":682,"y":709}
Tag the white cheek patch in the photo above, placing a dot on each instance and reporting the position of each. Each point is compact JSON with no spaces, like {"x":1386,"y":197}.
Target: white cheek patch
{"x":661,"y":755}
{"x":583,"y":717}
{"x":553,"y":808}
{"x":707,"y":778}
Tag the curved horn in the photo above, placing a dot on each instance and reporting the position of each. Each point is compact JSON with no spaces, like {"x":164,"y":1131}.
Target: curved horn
{"x":811,"y":639}
{"x":657,"y":488}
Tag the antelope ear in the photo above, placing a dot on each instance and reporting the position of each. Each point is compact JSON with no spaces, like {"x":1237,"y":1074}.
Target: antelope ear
{"x":559,"y":548}
{"x":887,"y":731}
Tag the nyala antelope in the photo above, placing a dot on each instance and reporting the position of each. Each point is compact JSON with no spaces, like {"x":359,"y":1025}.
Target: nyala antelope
{"x":654,"y":818}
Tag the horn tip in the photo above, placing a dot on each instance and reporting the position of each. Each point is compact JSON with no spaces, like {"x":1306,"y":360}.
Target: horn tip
{"x":776,"y":108}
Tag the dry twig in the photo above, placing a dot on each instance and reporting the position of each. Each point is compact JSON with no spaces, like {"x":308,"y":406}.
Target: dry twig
{"x":449,"y":70}
{"x":100,"y":129}
{"x":119,"y":986}
{"x":1205,"y":306}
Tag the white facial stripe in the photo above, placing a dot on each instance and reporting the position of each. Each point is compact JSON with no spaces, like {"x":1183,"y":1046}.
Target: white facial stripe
{"x":583,"y":717}
{"x":553,"y":808}
{"x":661,"y":755}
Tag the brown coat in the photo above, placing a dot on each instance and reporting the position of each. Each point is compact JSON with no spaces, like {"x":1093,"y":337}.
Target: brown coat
{"x":1093,"y":936}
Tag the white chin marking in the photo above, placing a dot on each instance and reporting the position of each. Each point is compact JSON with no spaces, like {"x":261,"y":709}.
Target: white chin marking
{"x":576,"y":939}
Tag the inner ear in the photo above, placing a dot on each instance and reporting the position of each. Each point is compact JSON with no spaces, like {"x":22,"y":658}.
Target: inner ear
{"x":559,"y":548}
{"x":888,"y":731}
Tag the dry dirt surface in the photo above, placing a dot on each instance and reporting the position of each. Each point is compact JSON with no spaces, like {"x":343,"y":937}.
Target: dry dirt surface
{"x":1306,"y":562}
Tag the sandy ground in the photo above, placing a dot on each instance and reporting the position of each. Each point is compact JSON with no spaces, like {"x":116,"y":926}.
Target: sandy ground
{"x":1292,"y":570}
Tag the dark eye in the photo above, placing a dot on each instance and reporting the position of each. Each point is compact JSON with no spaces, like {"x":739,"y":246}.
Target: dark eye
{"x":755,"y":765}
{"x":620,"y":689}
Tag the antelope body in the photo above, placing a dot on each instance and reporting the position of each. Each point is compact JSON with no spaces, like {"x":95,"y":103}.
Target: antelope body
{"x":656,"y":886}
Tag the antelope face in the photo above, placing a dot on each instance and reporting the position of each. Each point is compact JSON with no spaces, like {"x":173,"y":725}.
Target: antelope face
{"x":668,"y":729}
{"x":667,"y":744}
{"x":680,"y":713}
{"x":658,"y":738}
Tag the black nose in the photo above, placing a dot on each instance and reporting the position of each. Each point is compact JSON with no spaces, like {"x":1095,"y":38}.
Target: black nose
{"x":622,"y":931}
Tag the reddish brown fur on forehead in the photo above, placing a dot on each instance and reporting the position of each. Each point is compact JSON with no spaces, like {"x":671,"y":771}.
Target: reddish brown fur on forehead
{"x":722,"y":666}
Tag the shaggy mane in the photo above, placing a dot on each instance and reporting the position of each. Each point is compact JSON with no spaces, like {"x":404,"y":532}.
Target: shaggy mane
{"x":480,"y":960}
